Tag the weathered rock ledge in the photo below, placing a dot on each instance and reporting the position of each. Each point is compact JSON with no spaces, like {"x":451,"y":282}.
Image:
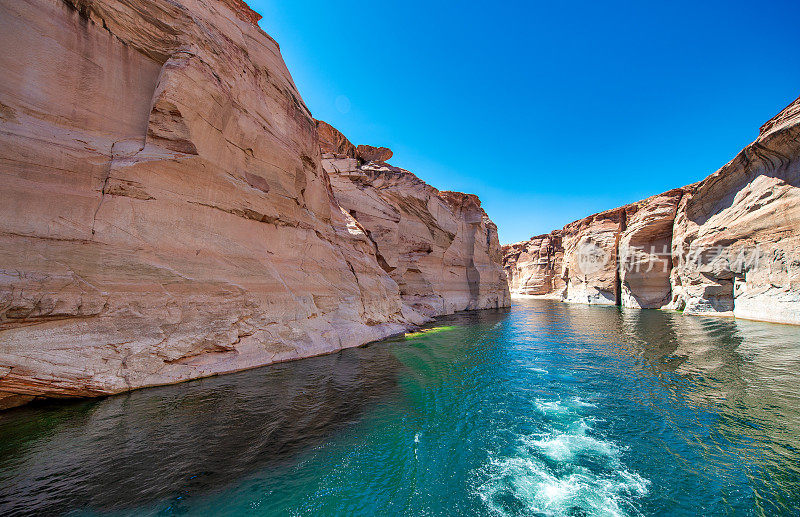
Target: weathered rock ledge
{"x":165,"y":215}
{"x":728,"y":245}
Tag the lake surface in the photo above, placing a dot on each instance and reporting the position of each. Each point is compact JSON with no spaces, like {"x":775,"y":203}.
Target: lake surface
{"x":543,"y":409}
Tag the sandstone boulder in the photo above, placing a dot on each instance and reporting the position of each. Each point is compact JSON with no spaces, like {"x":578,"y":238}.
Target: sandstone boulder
{"x":368,"y":153}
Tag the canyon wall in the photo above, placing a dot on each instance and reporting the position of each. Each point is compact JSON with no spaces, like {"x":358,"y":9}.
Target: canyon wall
{"x":534,"y":267}
{"x":728,"y":245}
{"x":591,"y":258}
{"x":164,"y":212}
{"x":736,"y":239}
{"x":440,"y":247}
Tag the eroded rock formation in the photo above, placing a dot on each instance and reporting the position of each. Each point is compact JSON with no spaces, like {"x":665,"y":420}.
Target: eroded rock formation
{"x":440,"y":247}
{"x":534,"y":267}
{"x":727,"y":245}
{"x":644,"y":252}
{"x":332,"y":141}
{"x":736,"y":237}
{"x":164,"y":214}
{"x":368,"y":153}
{"x":591,"y":258}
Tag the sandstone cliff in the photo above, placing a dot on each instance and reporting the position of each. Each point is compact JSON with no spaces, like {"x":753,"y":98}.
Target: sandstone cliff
{"x":591,"y":258}
{"x":534,"y":267}
{"x":164,"y":214}
{"x":736,"y":237}
{"x":439,"y":246}
{"x":727,"y":245}
{"x":645,"y":261}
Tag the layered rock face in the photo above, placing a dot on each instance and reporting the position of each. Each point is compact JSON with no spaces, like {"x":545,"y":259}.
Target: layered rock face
{"x":332,"y":141}
{"x":727,"y":245}
{"x":440,"y":247}
{"x":164,"y":214}
{"x":534,"y":267}
{"x":591,"y":258}
{"x":737,"y":234}
{"x":645,"y":261}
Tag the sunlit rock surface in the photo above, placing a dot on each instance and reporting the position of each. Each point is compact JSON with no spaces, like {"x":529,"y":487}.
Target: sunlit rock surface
{"x":440,"y":247}
{"x":590,"y":258}
{"x":645,"y":245}
{"x":736,"y":238}
{"x":368,"y":153}
{"x":164,"y":214}
{"x":534,"y":267}
{"x":331,"y":140}
{"x":728,"y":245}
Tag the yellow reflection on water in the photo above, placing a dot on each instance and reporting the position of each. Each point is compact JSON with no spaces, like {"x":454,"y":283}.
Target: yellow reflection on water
{"x":433,"y":330}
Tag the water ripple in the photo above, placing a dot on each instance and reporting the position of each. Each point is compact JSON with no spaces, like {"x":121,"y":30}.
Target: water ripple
{"x":546,"y":409}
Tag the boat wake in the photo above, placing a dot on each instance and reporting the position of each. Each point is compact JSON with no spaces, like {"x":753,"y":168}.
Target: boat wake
{"x":566,"y":470}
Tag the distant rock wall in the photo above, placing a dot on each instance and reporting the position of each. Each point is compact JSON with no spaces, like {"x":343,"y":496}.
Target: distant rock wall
{"x":164,"y":213}
{"x":591,"y":258}
{"x":534,"y":267}
{"x":728,"y":245}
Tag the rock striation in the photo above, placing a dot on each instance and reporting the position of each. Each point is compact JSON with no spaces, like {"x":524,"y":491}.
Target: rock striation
{"x":334,"y":142}
{"x":164,"y":212}
{"x":591,"y":258}
{"x":645,"y":260}
{"x":728,"y":245}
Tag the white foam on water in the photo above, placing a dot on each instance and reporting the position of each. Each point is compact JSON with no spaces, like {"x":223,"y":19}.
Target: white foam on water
{"x":579,"y":402}
{"x":553,"y":406}
{"x":548,"y":474}
{"x":570,"y":406}
{"x":538,"y":489}
{"x":566,"y":446}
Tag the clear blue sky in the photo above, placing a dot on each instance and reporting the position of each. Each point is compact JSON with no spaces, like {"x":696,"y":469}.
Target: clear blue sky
{"x":548,"y":110}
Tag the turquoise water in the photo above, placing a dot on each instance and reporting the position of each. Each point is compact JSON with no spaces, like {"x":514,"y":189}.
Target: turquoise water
{"x":545,"y":409}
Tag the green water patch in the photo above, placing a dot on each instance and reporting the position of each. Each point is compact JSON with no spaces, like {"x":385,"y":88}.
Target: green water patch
{"x":425,"y":332}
